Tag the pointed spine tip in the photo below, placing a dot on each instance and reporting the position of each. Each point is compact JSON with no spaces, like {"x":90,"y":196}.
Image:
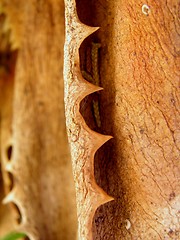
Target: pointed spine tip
{"x":84,"y":31}
{"x":90,"y":29}
{"x":97,"y":88}
{"x":101,"y":139}
{"x":105,"y":200}
{"x":108,"y":199}
{"x":9,"y":198}
{"x":93,"y":88}
{"x":8,"y":167}
{"x":89,"y":88}
{"x":103,"y":196}
{"x":106,"y":138}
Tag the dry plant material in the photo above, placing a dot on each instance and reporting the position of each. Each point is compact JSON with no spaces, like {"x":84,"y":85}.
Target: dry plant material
{"x":94,"y":79}
{"x":83,"y":141}
{"x":35,"y":157}
{"x":139,"y":107}
{"x":8,"y":54}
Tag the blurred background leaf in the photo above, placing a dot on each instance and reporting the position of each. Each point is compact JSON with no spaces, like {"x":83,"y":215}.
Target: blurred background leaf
{"x":13,"y":236}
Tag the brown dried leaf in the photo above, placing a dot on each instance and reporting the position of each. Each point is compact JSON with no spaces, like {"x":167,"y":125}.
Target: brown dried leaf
{"x":139,"y":107}
{"x":34,"y":125}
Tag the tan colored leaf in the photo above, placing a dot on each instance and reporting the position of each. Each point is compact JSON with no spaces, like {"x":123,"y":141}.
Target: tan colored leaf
{"x":137,"y":67}
{"x":33,"y":125}
{"x":139,"y":107}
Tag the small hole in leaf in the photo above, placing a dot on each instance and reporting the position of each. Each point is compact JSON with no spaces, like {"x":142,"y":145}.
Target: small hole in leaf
{"x":11,"y":181}
{"x":9,"y":152}
{"x":18,"y":213}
